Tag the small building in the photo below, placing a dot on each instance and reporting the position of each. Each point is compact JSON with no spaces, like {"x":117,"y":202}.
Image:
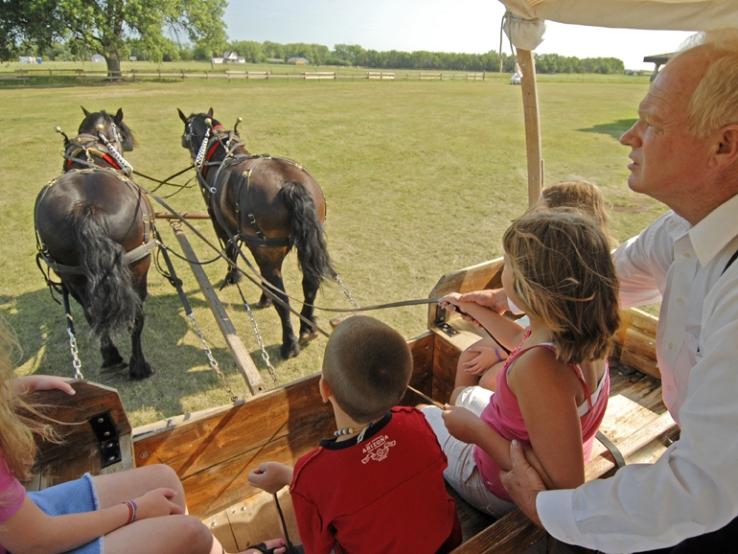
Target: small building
{"x":274,"y":60}
{"x":658,"y":60}
{"x":97,"y":58}
{"x":297,"y":60}
{"x":216,"y":60}
{"x":233,"y":57}
{"x":28,"y":59}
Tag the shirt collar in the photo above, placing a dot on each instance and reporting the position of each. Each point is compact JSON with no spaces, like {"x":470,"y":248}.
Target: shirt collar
{"x":715,"y":231}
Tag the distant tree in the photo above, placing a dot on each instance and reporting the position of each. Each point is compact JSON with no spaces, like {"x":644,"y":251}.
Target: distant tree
{"x":109,"y":26}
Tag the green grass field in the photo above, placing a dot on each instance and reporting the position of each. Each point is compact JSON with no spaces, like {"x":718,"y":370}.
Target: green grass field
{"x":421,"y":179}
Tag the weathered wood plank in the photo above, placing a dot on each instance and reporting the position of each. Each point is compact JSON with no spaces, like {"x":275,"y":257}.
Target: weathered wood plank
{"x":57,"y":462}
{"x":241,"y":355}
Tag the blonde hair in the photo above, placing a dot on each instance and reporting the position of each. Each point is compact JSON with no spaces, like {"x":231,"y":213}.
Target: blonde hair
{"x":582,"y":196}
{"x":17,"y":431}
{"x":563,"y":273}
{"x":367,"y":366}
{"x":714,"y":102}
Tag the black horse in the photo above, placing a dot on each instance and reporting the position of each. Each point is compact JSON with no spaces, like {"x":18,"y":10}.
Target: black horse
{"x":95,"y":228}
{"x":268,"y":203}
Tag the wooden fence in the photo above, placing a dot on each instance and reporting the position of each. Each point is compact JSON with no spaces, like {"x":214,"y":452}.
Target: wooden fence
{"x":28,"y":76}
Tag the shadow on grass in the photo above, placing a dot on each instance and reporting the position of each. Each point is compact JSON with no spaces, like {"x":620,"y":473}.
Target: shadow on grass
{"x":614,"y":129}
{"x":181,"y":370}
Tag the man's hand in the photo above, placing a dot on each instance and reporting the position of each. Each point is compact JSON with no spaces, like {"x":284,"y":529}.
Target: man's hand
{"x":271,"y":476}
{"x":523,"y":483}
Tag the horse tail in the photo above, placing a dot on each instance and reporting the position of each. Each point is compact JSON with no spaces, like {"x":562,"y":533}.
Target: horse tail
{"x":307,"y":234}
{"x":112,"y":300}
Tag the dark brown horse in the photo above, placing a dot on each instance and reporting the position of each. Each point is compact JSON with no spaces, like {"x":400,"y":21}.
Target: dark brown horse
{"x":268,"y":203}
{"x":95,"y":229}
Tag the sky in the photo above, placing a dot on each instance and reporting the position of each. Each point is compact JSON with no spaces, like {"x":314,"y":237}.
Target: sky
{"x":471,"y":26}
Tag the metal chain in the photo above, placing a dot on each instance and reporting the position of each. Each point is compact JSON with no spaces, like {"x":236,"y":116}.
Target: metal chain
{"x":260,"y":341}
{"x":346,"y":291}
{"x":76,"y":362}
{"x":211,"y":359}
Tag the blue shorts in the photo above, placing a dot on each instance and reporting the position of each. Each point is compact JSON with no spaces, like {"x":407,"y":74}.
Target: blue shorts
{"x":72,"y":497}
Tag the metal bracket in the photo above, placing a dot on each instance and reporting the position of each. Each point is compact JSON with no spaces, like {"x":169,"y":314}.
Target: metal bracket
{"x":107,"y":438}
{"x":447,"y":328}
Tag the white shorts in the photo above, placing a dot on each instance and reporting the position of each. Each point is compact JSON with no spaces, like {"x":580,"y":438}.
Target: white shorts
{"x":462,"y":473}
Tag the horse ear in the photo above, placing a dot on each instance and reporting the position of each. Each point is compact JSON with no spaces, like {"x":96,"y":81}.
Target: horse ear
{"x":210,"y":113}
{"x":182,"y":116}
{"x":84,"y":111}
{"x":118,"y":117}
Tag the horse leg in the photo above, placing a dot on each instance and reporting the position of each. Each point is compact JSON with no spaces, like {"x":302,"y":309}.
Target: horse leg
{"x":138,"y":367}
{"x":232,"y":276}
{"x":308,"y":331}
{"x":271,"y":270}
{"x":111,"y":358}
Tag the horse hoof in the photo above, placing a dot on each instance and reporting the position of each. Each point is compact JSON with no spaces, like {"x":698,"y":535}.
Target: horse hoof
{"x":230,"y":279}
{"x":264,"y":302}
{"x":289,"y":350}
{"x":142,"y":371}
{"x":307,"y":335}
{"x":113,"y":367}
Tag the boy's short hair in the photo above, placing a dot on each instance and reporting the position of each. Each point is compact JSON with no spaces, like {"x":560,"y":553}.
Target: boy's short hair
{"x":367,"y":366}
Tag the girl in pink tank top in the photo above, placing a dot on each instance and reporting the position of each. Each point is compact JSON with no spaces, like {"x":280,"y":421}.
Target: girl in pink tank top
{"x":552,"y":392}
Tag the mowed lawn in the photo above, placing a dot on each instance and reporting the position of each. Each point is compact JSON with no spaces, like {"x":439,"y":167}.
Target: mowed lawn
{"x":421,"y":179}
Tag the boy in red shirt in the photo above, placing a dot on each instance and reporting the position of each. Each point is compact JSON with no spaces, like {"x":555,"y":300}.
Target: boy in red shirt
{"x":377,"y":486}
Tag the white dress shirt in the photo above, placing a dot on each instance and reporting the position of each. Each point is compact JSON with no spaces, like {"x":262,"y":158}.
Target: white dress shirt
{"x":693,"y":488}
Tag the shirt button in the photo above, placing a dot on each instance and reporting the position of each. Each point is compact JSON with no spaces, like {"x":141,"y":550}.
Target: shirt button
{"x":680,"y":300}
{"x":671,"y":346}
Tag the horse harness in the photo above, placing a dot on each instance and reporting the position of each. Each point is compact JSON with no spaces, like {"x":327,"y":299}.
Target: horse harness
{"x":203,"y":163}
{"x":85,"y":149}
{"x":150,"y":236}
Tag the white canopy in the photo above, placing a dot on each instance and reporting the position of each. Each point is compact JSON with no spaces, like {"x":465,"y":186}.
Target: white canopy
{"x":677,"y":15}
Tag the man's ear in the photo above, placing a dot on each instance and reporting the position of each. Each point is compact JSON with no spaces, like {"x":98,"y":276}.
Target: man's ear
{"x":726,"y":151}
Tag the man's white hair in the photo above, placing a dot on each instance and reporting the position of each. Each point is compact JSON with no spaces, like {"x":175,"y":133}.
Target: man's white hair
{"x":714,"y":102}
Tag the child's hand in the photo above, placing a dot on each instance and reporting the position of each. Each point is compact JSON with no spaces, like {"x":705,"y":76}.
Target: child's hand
{"x":462,"y":423}
{"x":449,"y":301}
{"x":156,"y":503}
{"x":493,"y":299}
{"x":482,"y":358}
{"x":32,"y":383}
{"x":271,"y":476}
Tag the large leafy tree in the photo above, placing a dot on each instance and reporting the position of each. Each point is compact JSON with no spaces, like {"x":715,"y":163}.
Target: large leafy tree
{"x":109,"y":26}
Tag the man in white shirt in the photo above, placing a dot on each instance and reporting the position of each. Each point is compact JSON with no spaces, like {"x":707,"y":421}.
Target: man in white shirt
{"x":684,"y":152}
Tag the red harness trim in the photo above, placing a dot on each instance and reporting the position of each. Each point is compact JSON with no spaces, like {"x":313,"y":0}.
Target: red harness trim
{"x":209,"y":155}
{"x":107,"y":158}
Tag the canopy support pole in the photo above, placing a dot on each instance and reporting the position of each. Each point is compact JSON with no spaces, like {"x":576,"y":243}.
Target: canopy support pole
{"x":532,"y":125}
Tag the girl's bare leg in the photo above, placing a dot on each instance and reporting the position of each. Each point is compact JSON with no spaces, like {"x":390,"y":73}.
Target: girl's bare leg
{"x":124,"y":485}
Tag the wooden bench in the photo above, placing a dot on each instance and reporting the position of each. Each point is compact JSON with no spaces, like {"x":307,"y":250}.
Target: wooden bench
{"x":98,"y":439}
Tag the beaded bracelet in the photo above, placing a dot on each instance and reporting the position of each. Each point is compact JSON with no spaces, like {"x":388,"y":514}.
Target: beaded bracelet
{"x":132,"y":508}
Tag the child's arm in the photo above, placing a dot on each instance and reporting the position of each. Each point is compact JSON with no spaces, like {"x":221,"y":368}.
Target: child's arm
{"x":31,"y":531}
{"x":271,"y":476}
{"x":32,"y":383}
{"x":467,"y":427}
{"x":546,"y":394}
{"x":505,"y":331}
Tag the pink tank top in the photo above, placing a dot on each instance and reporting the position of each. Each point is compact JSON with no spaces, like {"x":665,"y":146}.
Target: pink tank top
{"x":504,"y":416}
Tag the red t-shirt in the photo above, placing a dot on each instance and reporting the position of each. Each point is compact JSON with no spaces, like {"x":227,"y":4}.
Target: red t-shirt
{"x":384,"y":494}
